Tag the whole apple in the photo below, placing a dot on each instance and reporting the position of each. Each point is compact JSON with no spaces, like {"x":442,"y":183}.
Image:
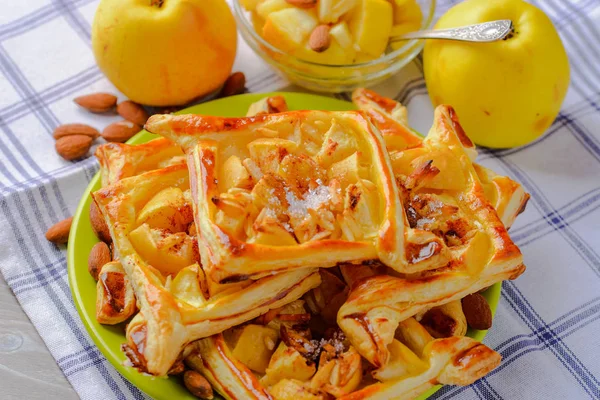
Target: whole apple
{"x":506,"y":93}
{"x":164,"y":52}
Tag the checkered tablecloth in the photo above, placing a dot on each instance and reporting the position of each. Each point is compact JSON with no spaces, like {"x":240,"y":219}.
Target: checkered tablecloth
{"x":548,"y":321}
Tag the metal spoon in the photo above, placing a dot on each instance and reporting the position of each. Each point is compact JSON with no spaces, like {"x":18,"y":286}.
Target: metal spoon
{"x":485,"y":32}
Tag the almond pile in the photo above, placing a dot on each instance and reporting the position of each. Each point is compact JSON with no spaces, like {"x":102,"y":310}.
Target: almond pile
{"x":73,"y":141}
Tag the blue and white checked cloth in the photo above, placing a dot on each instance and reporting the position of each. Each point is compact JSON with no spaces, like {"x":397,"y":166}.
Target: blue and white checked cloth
{"x":548,"y":321}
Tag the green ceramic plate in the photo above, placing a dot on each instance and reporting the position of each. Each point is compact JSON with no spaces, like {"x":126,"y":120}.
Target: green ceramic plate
{"x":83,"y":287}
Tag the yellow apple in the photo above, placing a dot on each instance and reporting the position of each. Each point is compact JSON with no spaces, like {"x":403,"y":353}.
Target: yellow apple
{"x":506,"y":93}
{"x":164,"y":52}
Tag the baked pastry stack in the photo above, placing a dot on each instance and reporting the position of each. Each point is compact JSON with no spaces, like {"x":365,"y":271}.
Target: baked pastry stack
{"x":308,"y":254}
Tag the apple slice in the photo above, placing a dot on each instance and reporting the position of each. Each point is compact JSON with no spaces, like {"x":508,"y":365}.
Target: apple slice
{"x":341,"y":34}
{"x":255,"y":346}
{"x":347,"y":171}
{"x":361,"y":209}
{"x":168,"y":210}
{"x":166,"y":252}
{"x":231,"y":225}
{"x":186,"y":286}
{"x":234,"y":174}
{"x":407,"y":11}
{"x":287,"y":362}
{"x":371,"y":24}
{"x":337,"y":145}
{"x":334,"y":55}
{"x":269,"y":152}
{"x":330,"y":11}
{"x":289,"y":28}
{"x":266,"y":7}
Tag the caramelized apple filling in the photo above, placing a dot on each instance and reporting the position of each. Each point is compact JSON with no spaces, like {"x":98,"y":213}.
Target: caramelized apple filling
{"x":301,"y":188}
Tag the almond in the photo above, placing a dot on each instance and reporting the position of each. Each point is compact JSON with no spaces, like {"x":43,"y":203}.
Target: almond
{"x":75,"y":129}
{"x":302,"y":3}
{"x":99,"y":255}
{"x":99,"y":224}
{"x":73,"y":147}
{"x":197,"y":385}
{"x":319,"y":40}
{"x":276,"y":104}
{"x":120,"y":131}
{"x":235,"y":84}
{"x":97,"y":102}
{"x":59,"y":232}
{"x":132,"y":112}
{"x":477,"y":311}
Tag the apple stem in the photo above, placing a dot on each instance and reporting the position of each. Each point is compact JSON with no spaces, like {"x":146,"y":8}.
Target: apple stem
{"x":157,"y":3}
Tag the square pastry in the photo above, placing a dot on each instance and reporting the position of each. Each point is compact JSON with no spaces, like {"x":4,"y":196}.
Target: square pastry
{"x":442,"y":195}
{"x":390,"y":117}
{"x":296,"y":190}
{"x":149,"y":217}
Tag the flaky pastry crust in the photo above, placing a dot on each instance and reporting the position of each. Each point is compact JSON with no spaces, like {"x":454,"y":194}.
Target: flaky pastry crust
{"x":485,"y":256}
{"x":174,"y":311}
{"x":122,"y":160}
{"x":208,"y":140}
{"x":390,"y":117}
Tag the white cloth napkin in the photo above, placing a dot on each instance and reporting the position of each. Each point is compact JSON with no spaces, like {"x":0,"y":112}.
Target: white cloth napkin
{"x":547,"y":323}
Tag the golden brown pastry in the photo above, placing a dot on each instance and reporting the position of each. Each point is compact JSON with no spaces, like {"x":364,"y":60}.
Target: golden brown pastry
{"x":162,"y":267}
{"x":212,"y":357}
{"x":121,"y":160}
{"x":456,"y":209}
{"x":390,"y":117}
{"x":404,"y":227}
{"x":301,"y":189}
{"x":450,"y":361}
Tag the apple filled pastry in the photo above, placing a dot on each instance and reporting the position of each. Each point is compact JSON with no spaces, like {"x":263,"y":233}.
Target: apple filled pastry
{"x":305,"y":254}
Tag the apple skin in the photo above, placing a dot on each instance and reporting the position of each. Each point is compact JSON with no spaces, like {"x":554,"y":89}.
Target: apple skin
{"x":167,"y":52}
{"x":506,"y":93}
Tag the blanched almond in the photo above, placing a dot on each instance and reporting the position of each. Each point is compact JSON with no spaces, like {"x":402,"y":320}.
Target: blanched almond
{"x":75,"y":129}
{"x":132,"y":112}
{"x":73,"y":147}
{"x":120,"y":131}
{"x":97,"y":102}
{"x":59,"y":232}
{"x":319,"y":40}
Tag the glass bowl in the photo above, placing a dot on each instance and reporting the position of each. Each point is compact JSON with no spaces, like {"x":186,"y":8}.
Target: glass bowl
{"x":333,"y":78}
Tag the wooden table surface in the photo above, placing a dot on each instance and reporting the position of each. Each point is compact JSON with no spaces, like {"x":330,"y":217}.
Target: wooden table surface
{"x":27,"y":370}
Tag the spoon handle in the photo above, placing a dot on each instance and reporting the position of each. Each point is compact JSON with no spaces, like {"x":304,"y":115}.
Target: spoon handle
{"x":485,"y":32}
